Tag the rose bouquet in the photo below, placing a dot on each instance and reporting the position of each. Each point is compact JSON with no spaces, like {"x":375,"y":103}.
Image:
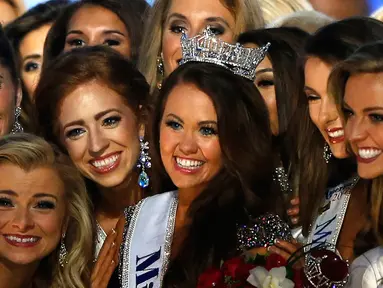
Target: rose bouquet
{"x":261,"y":271}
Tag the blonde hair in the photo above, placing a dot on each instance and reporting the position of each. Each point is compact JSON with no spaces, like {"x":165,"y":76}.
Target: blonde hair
{"x":368,"y":59}
{"x":28,"y":152}
{"x":378,"y":14}
{"x":247,"y":15}
{"x":309,"y":21}
{"x":274,"y":9}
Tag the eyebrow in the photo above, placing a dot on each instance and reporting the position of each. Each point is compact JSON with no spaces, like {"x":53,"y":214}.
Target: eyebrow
{"x":310,"y":89}
{"x":260,"y":71}
{"x":79,"y":32}
{"x":207,"y":122}
{"x":371,"y":109}
{"x":209,"y":19}
{"x":41,"y":195}
{"x":8,"y":192}
{"x":96,"y":117}
{"x":32,"y":56}
{"x":175,"y":116}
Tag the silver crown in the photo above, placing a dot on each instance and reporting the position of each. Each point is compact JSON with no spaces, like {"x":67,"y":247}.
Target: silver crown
{"x":208,"y":48}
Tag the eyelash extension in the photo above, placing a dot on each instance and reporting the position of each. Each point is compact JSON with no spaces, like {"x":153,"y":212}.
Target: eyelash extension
{"x":114,"y":119}
{"x":210,"y":127}
{"x":265,"y":82}
{"x":46,"y":205}
{"x":6,"y":201}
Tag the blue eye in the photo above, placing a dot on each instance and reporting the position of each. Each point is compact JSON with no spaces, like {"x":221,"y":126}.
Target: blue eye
{"x":75,"y":133}
{"x":45,"y":205}
{"x":111,"y":121}
{"x":208,"y":131}
{"x":5,"y":202}
{"x":376,"y":117}
{"x":174,"y":125}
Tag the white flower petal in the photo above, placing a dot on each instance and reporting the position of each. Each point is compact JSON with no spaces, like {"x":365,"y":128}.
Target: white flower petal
{"x":257,"y":276}
{"x":279,"y":273}
{"x":287,"y":283}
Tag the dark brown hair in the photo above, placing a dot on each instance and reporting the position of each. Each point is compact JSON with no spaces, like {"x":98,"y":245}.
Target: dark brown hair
{"x":241,"y":188}
{"x":331,"y":44}
{"x":132,"y":14}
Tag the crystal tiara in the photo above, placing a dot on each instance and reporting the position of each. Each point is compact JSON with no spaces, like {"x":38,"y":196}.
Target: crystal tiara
{"x":208,"y":48}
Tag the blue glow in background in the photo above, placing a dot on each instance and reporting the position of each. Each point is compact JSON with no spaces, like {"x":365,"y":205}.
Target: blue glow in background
{"x":373,"y":4}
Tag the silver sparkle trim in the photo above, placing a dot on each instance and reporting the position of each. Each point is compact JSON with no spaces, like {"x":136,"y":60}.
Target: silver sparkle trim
{"x":125,"y":265}
{"x":169,"y":236}
{"x":343,"y":188}
{"x":208,"y":48}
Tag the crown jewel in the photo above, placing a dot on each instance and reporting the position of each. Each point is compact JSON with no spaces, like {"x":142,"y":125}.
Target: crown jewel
{"x":208,"y":48}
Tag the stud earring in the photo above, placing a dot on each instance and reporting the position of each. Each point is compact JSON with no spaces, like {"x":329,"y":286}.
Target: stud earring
{"x":17,"y":128}
{"x":144,"y":163}
{"x":327,"y":154}
{"x":63,"y":252}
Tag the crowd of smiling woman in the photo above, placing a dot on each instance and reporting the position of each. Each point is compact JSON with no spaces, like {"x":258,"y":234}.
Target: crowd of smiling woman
{"x":127,"y":161}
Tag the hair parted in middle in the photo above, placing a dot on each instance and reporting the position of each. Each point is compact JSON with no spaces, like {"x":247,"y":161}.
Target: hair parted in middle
{"x":240,"y":189}
{"x":29,"y":152}
{"x":78,"y":67}
{"x":247,"y":14}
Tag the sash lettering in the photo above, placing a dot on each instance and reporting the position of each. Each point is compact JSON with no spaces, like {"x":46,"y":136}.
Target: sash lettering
{"x":321,"y":233}
{"x":145,"y":270}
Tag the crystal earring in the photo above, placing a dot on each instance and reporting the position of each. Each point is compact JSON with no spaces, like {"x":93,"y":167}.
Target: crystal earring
{"x":327,"y":154}
{"x":62,"y":252}
{"x":144,"y":163}
{"x":17,"y":128}
{"x":160,"y":71}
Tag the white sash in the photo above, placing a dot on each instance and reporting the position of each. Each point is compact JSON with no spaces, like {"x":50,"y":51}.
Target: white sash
{"x":146,"y":249}
{"x":327,"y":225}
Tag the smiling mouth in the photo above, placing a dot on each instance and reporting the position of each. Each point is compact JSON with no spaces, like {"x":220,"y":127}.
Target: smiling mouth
{"x":106,"y":164}
{"x":21,"y":241}
{"x":336,"y":135}
{"x":367,"y":155}
{"x":188,"y":164}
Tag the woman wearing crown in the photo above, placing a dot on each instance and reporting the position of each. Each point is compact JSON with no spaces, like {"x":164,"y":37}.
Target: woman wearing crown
{"x":211,"y":159}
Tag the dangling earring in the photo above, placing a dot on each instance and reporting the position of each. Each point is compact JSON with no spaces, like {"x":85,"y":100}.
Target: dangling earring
{"x":327,"y":154}
{"x":62,"y":252}
{"x":144,"y":163}
{"x":160,"y":71}
{"x":17,"y":128}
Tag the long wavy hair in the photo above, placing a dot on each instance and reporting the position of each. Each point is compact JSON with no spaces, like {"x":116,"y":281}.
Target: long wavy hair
{"x":241,"y":189}
{"x":131,"y":13}
{"x":247,"y":14}
{"x":78,"y":67}
{"x":331,"y":44}
{"x":16,"y":31}
{"x":367,"y":59}
{"x":30,"y":152}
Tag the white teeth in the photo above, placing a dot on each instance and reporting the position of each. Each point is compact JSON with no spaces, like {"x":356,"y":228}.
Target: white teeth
{"x":190,"y":164}
{"x":106,"y":162}
{"x":22,"y":240}
{"x":369,"y":153}
{"x":336,"y":134}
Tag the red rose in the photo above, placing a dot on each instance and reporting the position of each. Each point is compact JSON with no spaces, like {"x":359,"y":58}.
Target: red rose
{"x":212,"y":277}
{"x":274,"y":261}
{"x":237,"y":269}
{"x":298,"y":278}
